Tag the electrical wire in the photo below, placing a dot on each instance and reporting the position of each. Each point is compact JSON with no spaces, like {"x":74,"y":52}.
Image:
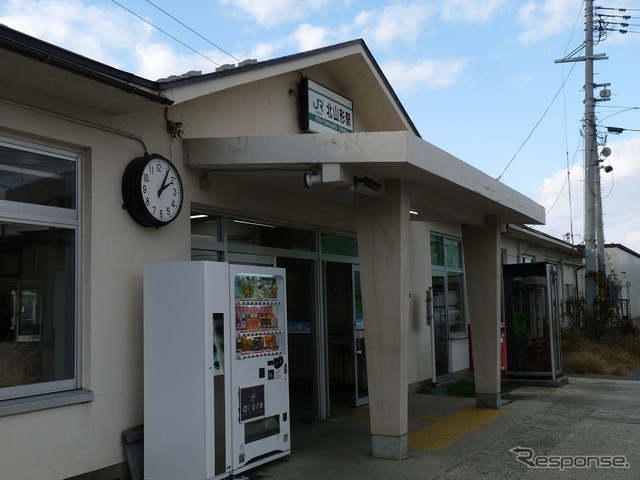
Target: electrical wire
{"x":561,"y":89}
{"x":166,"y":33}
{"x":537,"y":123}
{"x":193,"y":31}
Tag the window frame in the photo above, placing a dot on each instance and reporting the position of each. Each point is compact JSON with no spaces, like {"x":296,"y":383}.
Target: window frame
{"x":47,"y":394}
{"x":445,"y":271}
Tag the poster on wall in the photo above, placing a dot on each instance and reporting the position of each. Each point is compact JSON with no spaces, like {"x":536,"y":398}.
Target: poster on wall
{"x":323,"y":110}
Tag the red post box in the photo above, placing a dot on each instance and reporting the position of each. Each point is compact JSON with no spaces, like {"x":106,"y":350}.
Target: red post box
{"x":503,"y":348}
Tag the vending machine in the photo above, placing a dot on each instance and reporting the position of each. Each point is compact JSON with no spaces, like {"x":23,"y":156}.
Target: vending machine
{"x":216,"y":382}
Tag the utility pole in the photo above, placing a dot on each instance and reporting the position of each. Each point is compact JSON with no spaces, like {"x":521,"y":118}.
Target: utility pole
{"x":591,"y":163}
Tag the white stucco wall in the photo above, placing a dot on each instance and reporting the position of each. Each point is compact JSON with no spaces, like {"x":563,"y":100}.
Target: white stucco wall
{"x":70,"y":440}
{"x":619,"y":261}
{"x":67,"y":441}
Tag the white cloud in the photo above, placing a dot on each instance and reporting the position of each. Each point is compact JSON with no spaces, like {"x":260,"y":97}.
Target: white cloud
{"x":393,"y":23}
{"x":423,"y":73}
{"x":103,"y":33}
{"x":276,"y":12}
{"x":264,"y":50}
{"x":470,"y":10}
{"x":308,"y":37}
{"x":543,"y":19}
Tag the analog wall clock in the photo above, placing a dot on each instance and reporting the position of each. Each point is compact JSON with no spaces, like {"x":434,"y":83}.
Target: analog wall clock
{"x":152,"y":190}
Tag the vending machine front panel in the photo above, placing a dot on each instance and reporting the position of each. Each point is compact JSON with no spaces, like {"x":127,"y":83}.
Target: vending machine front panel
{"x":260,"y":370}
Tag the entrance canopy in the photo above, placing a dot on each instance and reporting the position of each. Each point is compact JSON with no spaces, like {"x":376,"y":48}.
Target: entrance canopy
{"x":443,"y":188}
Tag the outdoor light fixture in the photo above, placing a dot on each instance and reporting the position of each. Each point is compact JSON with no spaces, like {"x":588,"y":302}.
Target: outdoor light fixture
{"x":605,"y":152}
{"x":368,"y":182}
{"x":311,"y":179}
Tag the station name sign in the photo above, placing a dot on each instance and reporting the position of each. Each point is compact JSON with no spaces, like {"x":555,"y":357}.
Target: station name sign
{"x":323,"y":110}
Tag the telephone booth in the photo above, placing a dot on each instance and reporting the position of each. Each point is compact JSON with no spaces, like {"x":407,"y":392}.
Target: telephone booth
{"x":532,"y":318}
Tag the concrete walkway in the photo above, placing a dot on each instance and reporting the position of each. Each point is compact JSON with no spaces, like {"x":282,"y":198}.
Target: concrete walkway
{"x":449,"y":438}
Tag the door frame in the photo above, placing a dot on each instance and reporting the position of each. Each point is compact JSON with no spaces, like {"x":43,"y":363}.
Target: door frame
{"x":359,"y":340}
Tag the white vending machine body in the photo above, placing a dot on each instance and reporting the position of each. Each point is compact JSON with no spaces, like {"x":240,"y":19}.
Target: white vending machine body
{"x":186,"y":378}
{"x":216,"y":391}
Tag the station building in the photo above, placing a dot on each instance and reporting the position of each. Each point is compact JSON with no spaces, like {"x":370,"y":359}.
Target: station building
{"x":307,"y":162}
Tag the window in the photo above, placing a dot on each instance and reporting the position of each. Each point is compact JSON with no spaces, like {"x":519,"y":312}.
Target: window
{"x":206,"y":237}
{"x":39,"y":225}
{"x":448,"y":282}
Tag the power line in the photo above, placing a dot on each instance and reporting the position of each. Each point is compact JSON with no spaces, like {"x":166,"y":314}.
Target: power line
{"x":561,"y":89}
{"x":537,"y":123}
{"x":166,"y":33}
{"x":193,"y":31}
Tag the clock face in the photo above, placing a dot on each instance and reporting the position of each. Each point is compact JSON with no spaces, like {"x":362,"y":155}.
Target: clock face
{"x":152,"y":190}
{"x":161,"y":190}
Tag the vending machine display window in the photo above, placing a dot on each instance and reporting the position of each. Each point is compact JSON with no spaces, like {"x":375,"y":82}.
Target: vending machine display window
{"x":256,"y":316}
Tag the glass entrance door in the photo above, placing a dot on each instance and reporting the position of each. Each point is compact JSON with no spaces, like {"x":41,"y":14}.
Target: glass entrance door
{"x":302,"y":337}
{"x":440,"y":336}
{"x":346,"y":352}
{"x":361,"y":390}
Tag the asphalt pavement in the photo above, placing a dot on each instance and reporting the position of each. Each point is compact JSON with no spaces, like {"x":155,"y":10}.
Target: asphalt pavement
{"x":589,"y":428}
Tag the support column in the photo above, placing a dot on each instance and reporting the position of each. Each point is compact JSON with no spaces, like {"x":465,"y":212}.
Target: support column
{"x":483,"y":277}
{"x":383,"y":248}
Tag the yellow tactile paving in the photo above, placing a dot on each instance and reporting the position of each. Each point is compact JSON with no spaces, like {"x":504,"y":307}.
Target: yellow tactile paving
{"x":449,"y":430}
{"x":365,"y":416}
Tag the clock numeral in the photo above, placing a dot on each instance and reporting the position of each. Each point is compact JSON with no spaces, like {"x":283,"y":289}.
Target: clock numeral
{"x":146,"y":201}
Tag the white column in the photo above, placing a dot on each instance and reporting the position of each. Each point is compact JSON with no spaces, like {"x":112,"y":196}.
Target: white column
{"x":484,"y":279}
{"x":383,"y":248}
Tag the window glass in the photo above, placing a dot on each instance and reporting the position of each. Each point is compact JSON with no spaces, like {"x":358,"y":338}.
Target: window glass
{"x":206,"y":237}
{"x":454,"y":253}
{"x":437,"y":250}
{"x":37,"y":298}
{"x":455,"y":303}
{"x":338,"y":245}
{"x":36,"y":178}
{"x":38,"y":271}
{"x":268,"y":235}
{"x":447,"y":262}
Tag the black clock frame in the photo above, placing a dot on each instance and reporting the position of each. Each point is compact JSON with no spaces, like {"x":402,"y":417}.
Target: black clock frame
{"x":132,"y":195}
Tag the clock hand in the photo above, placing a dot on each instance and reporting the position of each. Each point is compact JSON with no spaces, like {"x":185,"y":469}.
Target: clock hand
{"x":164,"y":183}
{"x":164,"y":187}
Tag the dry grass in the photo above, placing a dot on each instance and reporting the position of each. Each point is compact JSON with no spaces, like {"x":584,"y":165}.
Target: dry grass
{"x":583,"y":356}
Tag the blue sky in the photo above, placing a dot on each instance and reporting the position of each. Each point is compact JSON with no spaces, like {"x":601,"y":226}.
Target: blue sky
{"x":477,"y":77}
